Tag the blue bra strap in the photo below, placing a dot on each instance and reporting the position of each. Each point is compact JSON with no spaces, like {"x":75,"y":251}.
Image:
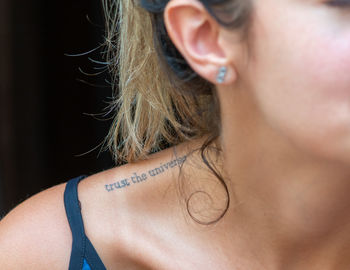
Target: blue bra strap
{"x":75,"y":220}
{"x":83,"y":253}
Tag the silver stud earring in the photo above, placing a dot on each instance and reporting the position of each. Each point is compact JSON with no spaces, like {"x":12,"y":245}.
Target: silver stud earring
{"x":221,"y":75}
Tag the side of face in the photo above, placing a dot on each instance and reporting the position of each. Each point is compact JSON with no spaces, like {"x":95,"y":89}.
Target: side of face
{"x":300,"y":73}
{"x":297,"y":71}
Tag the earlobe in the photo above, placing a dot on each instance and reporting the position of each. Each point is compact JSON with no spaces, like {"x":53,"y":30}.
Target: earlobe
{"x":196,"y":35}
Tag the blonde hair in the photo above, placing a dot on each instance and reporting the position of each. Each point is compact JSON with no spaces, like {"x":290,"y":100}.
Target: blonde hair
{"x":159,"y":100}
{"x":154,"y":107}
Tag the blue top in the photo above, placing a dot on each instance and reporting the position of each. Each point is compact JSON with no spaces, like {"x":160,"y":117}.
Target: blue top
{"x":83,"y":255}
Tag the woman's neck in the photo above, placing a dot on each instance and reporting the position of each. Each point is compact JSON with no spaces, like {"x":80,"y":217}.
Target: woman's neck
{"x":293,"y":207}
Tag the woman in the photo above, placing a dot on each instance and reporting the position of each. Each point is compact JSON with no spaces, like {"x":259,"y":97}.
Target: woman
{"x":254,"y":99}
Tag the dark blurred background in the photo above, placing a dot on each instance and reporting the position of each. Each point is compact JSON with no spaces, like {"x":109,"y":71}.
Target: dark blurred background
{"x":44,"y":123}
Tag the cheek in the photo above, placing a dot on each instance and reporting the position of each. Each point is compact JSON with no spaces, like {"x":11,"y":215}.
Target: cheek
{"x":325,"y":64}
{"x":304,"y":90}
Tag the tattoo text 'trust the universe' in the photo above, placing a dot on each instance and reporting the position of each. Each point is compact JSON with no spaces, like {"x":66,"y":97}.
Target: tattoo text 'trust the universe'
{"x":137,"y":178}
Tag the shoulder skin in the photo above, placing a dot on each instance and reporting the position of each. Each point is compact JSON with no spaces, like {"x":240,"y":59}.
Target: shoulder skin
{"x":35,"y":234}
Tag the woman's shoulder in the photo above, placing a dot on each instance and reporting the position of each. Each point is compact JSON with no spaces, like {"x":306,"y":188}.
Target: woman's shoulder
{"x":36,"y":234}
{"x":131,"y":201}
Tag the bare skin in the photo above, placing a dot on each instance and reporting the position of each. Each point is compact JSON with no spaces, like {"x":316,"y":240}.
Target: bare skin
{"x":143,"y":226}
{"x":285,"y":107}
{"x":285,"y":134}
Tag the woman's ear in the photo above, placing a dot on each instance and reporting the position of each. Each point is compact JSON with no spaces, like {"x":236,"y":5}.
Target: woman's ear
{"x":198,"y":37}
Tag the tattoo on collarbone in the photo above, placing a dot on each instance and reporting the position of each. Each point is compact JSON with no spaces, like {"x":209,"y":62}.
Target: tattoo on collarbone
{"x":136,"y":178}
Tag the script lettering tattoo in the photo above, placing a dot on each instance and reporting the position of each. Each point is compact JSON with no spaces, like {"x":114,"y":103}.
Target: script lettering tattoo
{"x":136,"y":178}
